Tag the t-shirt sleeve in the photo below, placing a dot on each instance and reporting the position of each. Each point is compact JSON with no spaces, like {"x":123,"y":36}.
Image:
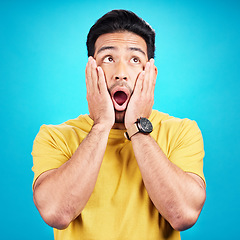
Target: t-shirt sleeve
{"x":49,"y":151}
{"x":188,"y":151}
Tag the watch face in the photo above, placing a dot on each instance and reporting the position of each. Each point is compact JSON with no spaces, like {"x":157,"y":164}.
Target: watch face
{"x":145,"y":125}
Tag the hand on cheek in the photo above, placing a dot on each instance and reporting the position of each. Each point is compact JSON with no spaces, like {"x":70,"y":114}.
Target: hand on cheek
{"x":141,"y":102}
{"x":99,"y":102}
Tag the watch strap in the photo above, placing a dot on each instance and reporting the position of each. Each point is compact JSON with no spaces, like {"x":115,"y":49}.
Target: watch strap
{"x":131,"y":131}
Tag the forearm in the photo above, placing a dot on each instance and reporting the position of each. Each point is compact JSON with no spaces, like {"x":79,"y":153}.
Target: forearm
{"x":61,"y":195}
{"x":178,"y":197}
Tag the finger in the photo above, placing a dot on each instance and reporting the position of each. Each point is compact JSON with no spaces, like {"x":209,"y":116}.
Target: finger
{"x":139,"y":83}
{"x":101,"y":81}
{"x":154,"y":79}
{"x":152,"y":76}
{"x":146,"y":77}
{"x":88,"y":75}
{"x":94,"y":76}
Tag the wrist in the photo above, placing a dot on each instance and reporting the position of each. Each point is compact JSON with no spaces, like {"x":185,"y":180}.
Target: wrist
{"x":102,"y":127}
{"x":142,"y":125}
{"x":101,"y":124}
{"x":128,"y":125}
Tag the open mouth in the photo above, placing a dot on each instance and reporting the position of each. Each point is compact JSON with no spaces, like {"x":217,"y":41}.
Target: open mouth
{"x":120,"y":97}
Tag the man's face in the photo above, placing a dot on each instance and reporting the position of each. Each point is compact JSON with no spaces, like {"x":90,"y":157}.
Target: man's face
{"x":122,"y":56}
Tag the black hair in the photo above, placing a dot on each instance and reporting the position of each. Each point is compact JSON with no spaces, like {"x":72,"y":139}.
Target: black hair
{"x":120,"y":21}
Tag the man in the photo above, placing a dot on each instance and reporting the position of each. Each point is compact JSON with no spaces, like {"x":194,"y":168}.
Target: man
{"x":124,"y":171}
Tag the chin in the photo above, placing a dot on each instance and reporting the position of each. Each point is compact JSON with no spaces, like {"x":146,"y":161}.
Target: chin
{"x":119,"y":116}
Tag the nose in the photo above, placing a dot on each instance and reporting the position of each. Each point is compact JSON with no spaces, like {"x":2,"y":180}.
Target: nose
{"x":121,"y":71}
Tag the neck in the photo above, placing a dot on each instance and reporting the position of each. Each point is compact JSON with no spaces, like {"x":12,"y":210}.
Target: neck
{"x":119,"y":126}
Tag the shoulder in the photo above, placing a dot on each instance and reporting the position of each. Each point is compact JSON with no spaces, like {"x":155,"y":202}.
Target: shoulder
{"x":79,"y":126}
{"x":174,"y":127}
{"x":164,"y":119}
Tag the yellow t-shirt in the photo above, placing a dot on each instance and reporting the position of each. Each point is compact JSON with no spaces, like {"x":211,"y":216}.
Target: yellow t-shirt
{"x":119,"y":207}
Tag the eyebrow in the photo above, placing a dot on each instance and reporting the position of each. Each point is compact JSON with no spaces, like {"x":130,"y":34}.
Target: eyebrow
{"x":105,"y":48}
{"x":114,"y":48}
{"x":137,"y":49}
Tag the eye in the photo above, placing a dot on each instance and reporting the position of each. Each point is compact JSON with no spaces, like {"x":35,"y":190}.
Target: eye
{"x":107,"y":59}
{"x":135,"y":60}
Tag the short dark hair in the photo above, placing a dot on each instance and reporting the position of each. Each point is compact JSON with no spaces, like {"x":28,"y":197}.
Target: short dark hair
{"x":120,"y":21}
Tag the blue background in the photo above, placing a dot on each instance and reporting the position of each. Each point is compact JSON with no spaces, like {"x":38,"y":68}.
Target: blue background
{"x":42,"y":63}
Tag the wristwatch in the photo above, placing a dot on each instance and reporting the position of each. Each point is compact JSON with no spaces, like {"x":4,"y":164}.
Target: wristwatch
{"x":142,"y":125}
